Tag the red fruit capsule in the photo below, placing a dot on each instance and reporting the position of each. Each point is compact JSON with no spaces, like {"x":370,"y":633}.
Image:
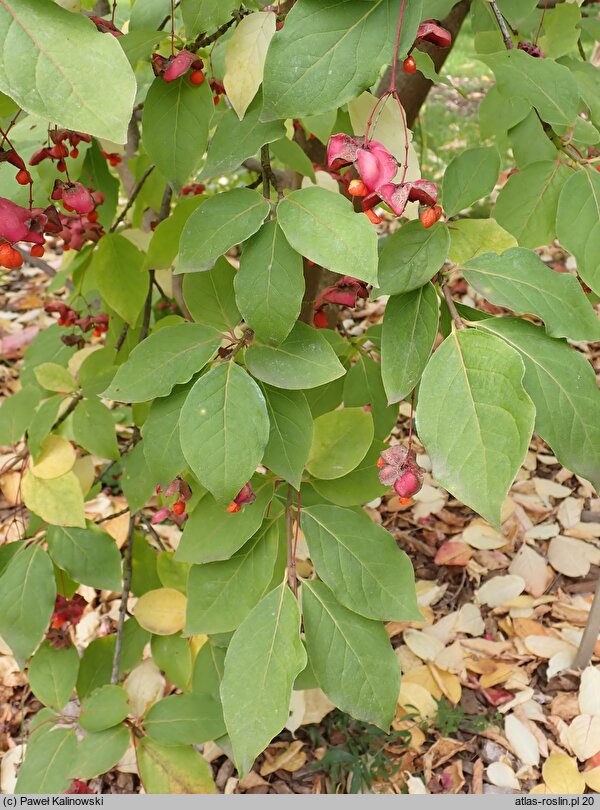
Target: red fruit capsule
{"x":37,"y":251}
{"x":74,"y":153}
{"x":23,"y":177}
{"x":92,"y":216}
{"x":178,"y":508}
{"x":356,"y":188}
{"x":409,"y":65}
{"x":430,"y":216}
{"x":320,"y":319}
{"x":197,"y":77}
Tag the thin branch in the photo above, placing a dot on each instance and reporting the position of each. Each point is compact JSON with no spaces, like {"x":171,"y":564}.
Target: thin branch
{"x":152,"y":531}
{"x":113,"y":516}
{"x":203,"y":41}
{"x":147,"y":309}
{"x":458,"y":321}
{"x":114,"y":678}
{"x":265,"y":165}
{"x":72,"y":405}
{"x":502,"y":26}
{"x":39,"y":263}
{"x":291,"y":557}
{"x":132,"y":198}
{"x":122,"y":336}
{"x":590,"y":634}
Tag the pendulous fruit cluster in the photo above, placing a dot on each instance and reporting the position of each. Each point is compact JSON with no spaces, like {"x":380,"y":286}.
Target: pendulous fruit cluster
{"x":398,"y":468}
{"x":245,"y":495}
{"x":344,"y":292}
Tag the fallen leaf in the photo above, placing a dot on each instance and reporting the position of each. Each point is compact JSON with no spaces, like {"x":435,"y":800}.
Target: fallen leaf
{"x":589,"y":691}
{"x":290,"y":759}
{"x":522,"y":742}
{"x":144,"y":686}
{"x":547,"y":488}
{"x":453,"y":552}
{"x":481,"y":535}
{"x":567,"y":557}
{"x":561,"y":775}
{"x":415,"y":697}
{"x":584,"y":736}
{"x":569,"y":512}
{"x":532,"y":568}
{"x":423,"y":645}
{"x":498,"y":590}
{"x":469,"y":620}
{"x":502,"y":775}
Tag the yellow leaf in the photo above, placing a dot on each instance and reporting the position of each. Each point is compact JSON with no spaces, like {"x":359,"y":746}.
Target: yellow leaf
{"x":584,"y":736}
{"x":589,"y":691}
{"x":592,"y":779}
{"x":422,"y":676}
{"x":196,"y":643}
{"x":58,"y":501}
{"x":561,"y":774}
{"x":56,"y":458}
{"x":161,"y":611}
{"x":290,"y":759}
{"x":448,"y":682}
{"x":53,"y":377}
{"x":245,"y":59}
{"x":414,"y":697}
{"x":85,"y":472}
{"x":144,"y":686}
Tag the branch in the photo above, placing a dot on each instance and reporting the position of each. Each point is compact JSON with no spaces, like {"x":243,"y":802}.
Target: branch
{"x":113,"y":516}
{"x":502,"y":26}
{"x":39,"y":263}
{"x":291,"y":557}
{"x":458,"y":321}
{"x":147,"y":309}
{"x":132,"y":198}
{"x":114,"y":678}
{"x":590,"y":634}
{"x":72,"y":405}
{"x":203,"y":41}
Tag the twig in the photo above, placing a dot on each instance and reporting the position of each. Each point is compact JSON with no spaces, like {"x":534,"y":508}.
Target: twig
{"x":113,"y":516}
{"x":72,"y":405}
{"x":265,"y":165}
{"x":203,"y":41}
{"x":458,"y":321}
{"x":122,"y":336}
{"x":152,"y":531}
{"x":39,"y":263}
{"x":291,"y":557}
{"x":132,"y":198}
{"x":114,"y":678}
{"x":502,"y":26}
{"x":147,"y":309}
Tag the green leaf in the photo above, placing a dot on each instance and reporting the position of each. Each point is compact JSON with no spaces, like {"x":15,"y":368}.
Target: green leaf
{"x":164,"y":245}
{"x":175,"y":126}
{"x":118,"y":267}
{"x":221,"y":594}
{"x":167,"y":358}
{"x":96,"y":664}
{"x":290,"y":434}
{"x":578,"y":223}
{"x":220,"y":223}
{"x":475,"y":418}
{"x":56,"y":66}
{"x":363,"y":385}
{"x":16,"y":414}
{"x":104,"y":708}
{"x":173,"y":769}
{"x":360,"y":486}
{"x":266,"y":644}
{"x":202,"y":16}
{"x":173,"y":655}
{"x":53,"y":377}
{"x":361,"y":563}
{"x":27,"y":594}
{"x":53,"y":674}
{"x":499,"y":113}
{"x":98,"y":753}
{"x":160,"y":431}
{"x":305,"y":359}
{"x":94,"y":429}
{"x":269,"y":284}
{"x":351,"y":657}
{"x":137,"y":44}
{"x":516,"y":11}
{"x":210,"y":296}
{"x":234,"y":141}
{"x":562,"y":385}
{"x":185,"y":719}
{"x":561,"y":30}
{"x":325,"y":398}
{"x":58,"y":501}
{"x":469,"y":177}
{"x":340,"y":441}
{"x":227,"y":427}
{"x":312,"y":63}
{"x":526,"y":205}
{"x":529,"y":142}
{"x":471,"y":237}
{"x":212,"y":533}
{"x":324,"y":227}
{"x":137,"y":479}
{"x":546,"y":85}
{"x":50,"y":753}
{"x":88,"y":555}
{"x":410,"y":326}
{"x":519,"y":280}
{"x":411,"y":256}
